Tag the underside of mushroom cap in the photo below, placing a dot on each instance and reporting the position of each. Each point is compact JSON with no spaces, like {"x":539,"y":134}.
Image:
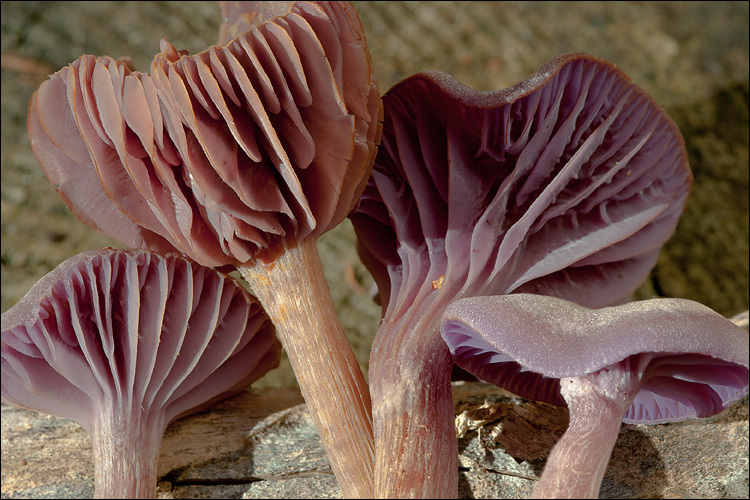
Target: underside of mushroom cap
{"x":229,"y":155}
{"x":692,"y":361}
{"x":241,"y":16}
{"x":156,"y":337}
{"x":566,"y":184}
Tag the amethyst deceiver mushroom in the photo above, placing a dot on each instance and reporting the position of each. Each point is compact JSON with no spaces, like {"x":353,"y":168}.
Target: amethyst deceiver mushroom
{"x":240,"y":155}
{"x":125,"y":341}
{"x":648,"y":362}
{"x":566,"y":184}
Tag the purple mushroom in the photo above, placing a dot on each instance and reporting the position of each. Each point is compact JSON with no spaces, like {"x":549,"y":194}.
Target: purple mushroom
{"x":566,"y":184}
{"x":238,"y":156}
{"x":654,"y":361}
{"x":124,"y":342}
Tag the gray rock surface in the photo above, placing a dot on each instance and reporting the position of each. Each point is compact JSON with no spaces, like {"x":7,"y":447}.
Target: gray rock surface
{"x":262,"y":444}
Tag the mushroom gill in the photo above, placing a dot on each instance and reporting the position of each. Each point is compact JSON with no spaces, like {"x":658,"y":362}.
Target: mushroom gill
{"x":124,"y":342}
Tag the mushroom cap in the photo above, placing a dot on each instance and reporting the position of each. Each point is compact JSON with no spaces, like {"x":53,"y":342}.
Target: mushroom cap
{"x":151,"y":334}
{"x":230,"y":155}
{"x":566,"y":184}
{"x":693,"y":362}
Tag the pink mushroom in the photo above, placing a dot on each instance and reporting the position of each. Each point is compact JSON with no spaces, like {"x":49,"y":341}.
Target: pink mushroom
{"x":241,"y":155}
{"x":124,"y":342}
{"x":648,"y":362}
{"x":566,"y":184}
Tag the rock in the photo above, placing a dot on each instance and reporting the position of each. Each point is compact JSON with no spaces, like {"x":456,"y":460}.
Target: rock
{"x":262,"y":444}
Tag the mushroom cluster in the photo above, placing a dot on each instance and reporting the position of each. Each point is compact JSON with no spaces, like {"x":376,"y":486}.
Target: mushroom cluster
{"x":566,"y":184}
{"x":484,"y":217}
{"x":238,"y":156}
{"x":124,"y":342}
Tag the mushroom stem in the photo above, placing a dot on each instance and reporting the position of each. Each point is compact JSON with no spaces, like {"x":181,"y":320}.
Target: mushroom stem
{"x":126,"y":451}
{"x":294,"y":292}
{"x":597,"y":403}
{"x":416,"y":450}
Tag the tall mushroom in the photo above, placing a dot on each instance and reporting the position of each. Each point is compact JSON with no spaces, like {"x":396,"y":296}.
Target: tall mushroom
{"x":565,"y":184}
{"x":655,"y":361}
{"x":241,"y":156}
{"x":124,"y":342}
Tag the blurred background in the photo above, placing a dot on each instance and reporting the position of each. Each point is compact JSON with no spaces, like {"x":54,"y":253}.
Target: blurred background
{"x":692,"y":57}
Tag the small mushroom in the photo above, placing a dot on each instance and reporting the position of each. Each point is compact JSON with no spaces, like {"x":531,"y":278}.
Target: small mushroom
{"x":124,"y":342}
{"x":238,"y":156}
{"x":566,"y":184}
{"x":648,"y":362}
